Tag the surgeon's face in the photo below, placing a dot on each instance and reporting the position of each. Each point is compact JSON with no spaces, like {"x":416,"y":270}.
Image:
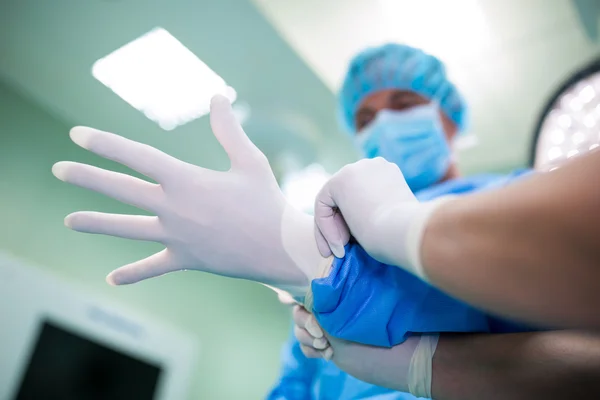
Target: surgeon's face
{"x":425,"y":160}
{"x":393,"y":99}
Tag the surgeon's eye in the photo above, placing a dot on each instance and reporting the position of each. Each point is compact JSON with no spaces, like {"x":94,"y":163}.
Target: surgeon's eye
{"x":363,"y":118}
{"x":405,"y":100}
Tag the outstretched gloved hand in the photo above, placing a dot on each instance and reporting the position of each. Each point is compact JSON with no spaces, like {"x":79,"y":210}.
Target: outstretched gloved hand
{"x":235,"y":223}
{"x":406,"y":367}
{"x":371,"y":201}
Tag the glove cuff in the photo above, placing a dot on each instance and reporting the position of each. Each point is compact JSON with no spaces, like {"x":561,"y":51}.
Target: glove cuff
{"x":322,"y":272}
{"x":416,"y":230}
{"x":420,"y":369}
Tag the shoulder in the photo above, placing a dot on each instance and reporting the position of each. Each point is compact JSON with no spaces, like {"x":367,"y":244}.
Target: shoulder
{"x":470,"y":184}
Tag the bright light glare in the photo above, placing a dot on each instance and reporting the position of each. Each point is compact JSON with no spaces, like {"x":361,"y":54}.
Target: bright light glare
{"x":564,"y":121}
{"x":554,"y":153}
{"x":578,"y":137}
{"x":572,"y":153}
{"x":571,"y":127}
{"x":558,"y":136}
{"x":587,"y":94}
{"x":419,"y":23}
{"x":465,"y":142}
{"x":576,"y":104}
{"x":162,"y":78}
{"x":301,"y":188}
{"x":589,"y":121}
{"x":242,"y":112}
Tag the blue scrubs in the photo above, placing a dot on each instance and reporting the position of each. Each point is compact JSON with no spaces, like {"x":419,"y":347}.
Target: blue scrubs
{"x":368,"y":302}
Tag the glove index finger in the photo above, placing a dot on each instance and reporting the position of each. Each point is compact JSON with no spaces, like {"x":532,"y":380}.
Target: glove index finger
{"x":322,"y":243}
{"x":230,"y":134}
{"x":334,"y":231}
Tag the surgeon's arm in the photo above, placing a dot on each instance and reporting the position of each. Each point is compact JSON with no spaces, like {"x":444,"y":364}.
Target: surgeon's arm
{"x":530,"y":250}
{"x":539,"y":365}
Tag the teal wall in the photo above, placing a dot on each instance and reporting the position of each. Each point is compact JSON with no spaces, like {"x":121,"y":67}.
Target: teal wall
{"x":239,"y":326}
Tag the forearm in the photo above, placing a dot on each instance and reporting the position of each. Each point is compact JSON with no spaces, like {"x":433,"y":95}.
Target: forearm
{"x":548,"y":365}
{"x":381,"y":366}
{"x":529,"y":251}
{"x":541,"y":365}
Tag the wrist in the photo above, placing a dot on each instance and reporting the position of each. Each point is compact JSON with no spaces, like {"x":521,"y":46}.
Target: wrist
{"x":439,"y":243}
{"x":300,"y":245}
{"x":420,"y":369}
{"x":398,"y":234}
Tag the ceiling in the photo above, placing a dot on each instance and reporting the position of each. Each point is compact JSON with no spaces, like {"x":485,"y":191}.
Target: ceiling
{"x":48,"y":48}
{"x":506,"y":56}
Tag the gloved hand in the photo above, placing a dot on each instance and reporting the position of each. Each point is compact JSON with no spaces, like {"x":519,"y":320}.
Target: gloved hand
{"x":406,"y":367}
{"x":371,"y":201}
{"x":235,"y":223}
{"x":313,"y":342}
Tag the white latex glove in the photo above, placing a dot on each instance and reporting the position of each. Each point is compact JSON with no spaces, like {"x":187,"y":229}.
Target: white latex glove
{"x":406,"y":367}
{"x":313,"y":342}
{"x":234,"y":223}
{"x":371,"y":201}
{"x":284,"y":297}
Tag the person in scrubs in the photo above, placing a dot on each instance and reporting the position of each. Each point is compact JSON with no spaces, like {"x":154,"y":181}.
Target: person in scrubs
{"x":397,"y":103}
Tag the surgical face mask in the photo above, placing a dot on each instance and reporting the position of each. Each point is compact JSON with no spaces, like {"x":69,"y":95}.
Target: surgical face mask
{"x":413,"y":139}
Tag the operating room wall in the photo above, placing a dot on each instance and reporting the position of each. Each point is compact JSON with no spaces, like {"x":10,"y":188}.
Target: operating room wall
{"x":239,"y":326}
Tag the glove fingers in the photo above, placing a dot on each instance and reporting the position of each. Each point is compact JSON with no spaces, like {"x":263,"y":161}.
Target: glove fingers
{"x":306,"y":320}
{"x":306,"y":339}
{"x":137,"y":227}
{"x":344,"y":231}
{"x":322,"y":244}
{"x":138,"y":156}
{"x":121,"y":187}
{"x":310,"y":352}
{"x":155,"y":265}
{"x":228,"y":131}
{"x":327,"y":354}
{"x":335,"y":233}
{"x":285,"y":298}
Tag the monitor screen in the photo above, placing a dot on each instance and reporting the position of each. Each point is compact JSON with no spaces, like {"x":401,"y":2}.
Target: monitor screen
{"x":67,"y":366}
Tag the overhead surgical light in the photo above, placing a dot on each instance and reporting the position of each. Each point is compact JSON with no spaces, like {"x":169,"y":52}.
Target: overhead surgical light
{"x":419,"y":23}
{"x":162,"y":78}
{"x":570,"y":123}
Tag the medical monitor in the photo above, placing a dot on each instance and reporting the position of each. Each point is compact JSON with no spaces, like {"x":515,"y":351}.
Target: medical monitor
{"x":59,"y":342}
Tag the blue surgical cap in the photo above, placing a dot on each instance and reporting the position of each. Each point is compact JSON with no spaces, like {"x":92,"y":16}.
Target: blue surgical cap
{"x":398,"y":66}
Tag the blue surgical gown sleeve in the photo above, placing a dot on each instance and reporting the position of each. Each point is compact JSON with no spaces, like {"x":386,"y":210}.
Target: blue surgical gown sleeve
{"x":365,"y":301}
{"x":297,"y":373}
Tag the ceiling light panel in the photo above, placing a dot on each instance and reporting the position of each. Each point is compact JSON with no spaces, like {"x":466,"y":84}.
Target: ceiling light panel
{"x":162,"y":78}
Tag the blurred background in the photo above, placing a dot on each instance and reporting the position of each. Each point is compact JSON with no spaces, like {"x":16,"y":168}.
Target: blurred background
{"x":526,"y":67}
